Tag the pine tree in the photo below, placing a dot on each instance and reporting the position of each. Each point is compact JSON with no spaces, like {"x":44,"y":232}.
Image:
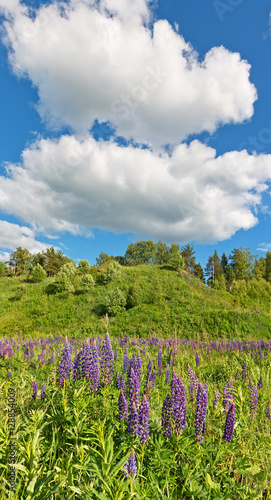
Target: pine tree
{"x":188,"y":254}
{"x":213,"y":269}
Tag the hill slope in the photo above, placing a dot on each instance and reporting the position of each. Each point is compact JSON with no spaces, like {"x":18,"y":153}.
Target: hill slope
{"x":169,"y":303}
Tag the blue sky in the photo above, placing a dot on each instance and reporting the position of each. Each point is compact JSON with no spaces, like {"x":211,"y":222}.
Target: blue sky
{"x":185,"y":152}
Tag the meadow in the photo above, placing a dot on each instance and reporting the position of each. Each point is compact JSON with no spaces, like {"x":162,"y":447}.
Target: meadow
{"x":118,"y":417}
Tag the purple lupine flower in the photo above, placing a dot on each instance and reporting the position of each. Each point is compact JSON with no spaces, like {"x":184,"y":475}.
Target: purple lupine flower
{"x":8,"y":350}
{"x":253,"y":401}
{"x":193,"y":384}
{"x":43,"y":355}
{"x":133,"y":389}
{"x":237,"y":375}
{"x":260,"y":383}
{"x":171,"y":361}
{"x":123,"y":409}
{"x":250,"y":384}
{"x":149,"y":370}
{"x":42,"y":392}
{"x":9,"y":373}
{"x":160,"y":364}
{"x":228,"y":394}
{"x":216,"y":399}
{"x":126,"y":361}
{"x":133,"y":420}
{"x":260,"y":354}
{"x":244,"y":372}
{"x":144,"y":420}
{"x":94,"y":369}
{"x":115,"y":355}
{"x":153,"y":377}
{"x":201,"y":410}
{"x":166,"y":413}
{"x":268,"y":410}
{"x":130,"y":465}
{"x":35,"y":389}
{"x":178,"y":405}
{"x":107,"y":360}
{"x":52,"y":358}
{"x":85,"y":361}
{"x":229,"y":424}
{"x":65,"y":364}
{"x":77,"y":367}
{"x":120,"y":383}
{"x":197,"y":359}
{"x":167,"y":374}
{"x":138,"y":367}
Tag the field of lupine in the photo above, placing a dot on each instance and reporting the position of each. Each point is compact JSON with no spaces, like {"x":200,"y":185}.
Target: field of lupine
{"x":122,"y":418}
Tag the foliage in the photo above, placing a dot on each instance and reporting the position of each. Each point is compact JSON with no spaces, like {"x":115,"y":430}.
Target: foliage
{"x":114,"y":302}
{"x":111,"y":273}
{"x":38,"y":274}
{"x":176,"y":261}
{"x":83,"y":267}
{"x":87,"y":283}
{"x":134,"y":296}
{"x":62,"y":282}
{"x":3,"y":268}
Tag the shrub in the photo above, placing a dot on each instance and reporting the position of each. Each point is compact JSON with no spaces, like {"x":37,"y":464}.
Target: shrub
{"x":114,"y":302}
{"x":38,"y":274}
{"x":62,"y":283}
{"x":83,"y":267}
{"x":176,"y":261}
{"x":69,"y":270}
{"x":134,"y":296}
{"x":112,"y":272}
{"x":87,"y":283}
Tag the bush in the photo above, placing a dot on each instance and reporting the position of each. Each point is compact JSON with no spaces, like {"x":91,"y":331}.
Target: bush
{"x":114,"y":302}
{"x":134,"y":296}
{"x":112,"y":272}
{"x":38,"y":274}
{"x":176,"y":261}
{"x":83,"y":267}
{"x":69,"y":270}
{"x":87,"y":283}
{"x":62,"y":283}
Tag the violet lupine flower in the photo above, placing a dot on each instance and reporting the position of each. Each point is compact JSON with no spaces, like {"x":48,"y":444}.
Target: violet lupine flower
{"x":42,"y":392}
{"x":244,"y":372}
{"x":144,"y":420}
{"x":123,"y":408}
{"x":107,"y":360}
{"x":120,"y":383}
{"x":130,"y":465}
{"x":133,"y":420}
{"x":43,"y":355}
{"x":268,"y":410}
{"x":115,"y":355}
{"x":94,"y":369}
{"x":253,"y":401}
{"x":35,"y":389}
{"x":52,"y":358}
{"x":228,"y":396}
{"x":85,"y":361}
{"x":8,"y":350}
{"x":178,"y":405}
{"x":166,"y":413}
{"x":159,"y":364}
{"x":197,"y":359}
{"x":153,"y":377}
{"x":229,"y":424}
{"x":193,"y":384}
{"x":201,"y":410}
{"x":65,"y":364}
{"x":217,"y":396}
{"x":167,"y":374}
{"x":133,"y":389}
{"x":126,"y":361}
{"x":138,"y":367}
{"x":260,"y":383}
{"x":77,"y":368}
{"x":237,"y":375}
{"x":149,"y":370}
{"x":250,"y":384}
{"x":9,"y":373}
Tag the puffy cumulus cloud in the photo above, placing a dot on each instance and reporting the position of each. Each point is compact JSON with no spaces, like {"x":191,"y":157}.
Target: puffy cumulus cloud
{"x":75,"y":185}
{"x":101,"y":60}
{"x":13,"y":236}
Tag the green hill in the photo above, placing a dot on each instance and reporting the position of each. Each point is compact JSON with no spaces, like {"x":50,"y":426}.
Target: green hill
{"x":168,"y":304}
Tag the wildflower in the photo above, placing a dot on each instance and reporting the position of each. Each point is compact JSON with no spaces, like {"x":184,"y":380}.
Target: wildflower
{"x":130,"y":465}
{"x":133,"y":388}
{"x":267,"y":410}
{"x":138,"y":366}
{"x":9,"y":373}
{"x":167,"y":374}
{"x":133,"y":420}
{"x":244,"y":372}
{"x":52,"y":358}
{"x":160,"y":364}
{"x":77,"y":368}
{"x":126,"y":361}
{"x":143,"y":420}
{"x":193,"y":384}
{"x":153,"y":377}
{"x":166,"y":412}
{"x":197,"y":359}
{"x":217,"y":396}
{"x":260,"y":383}
{"x":107,"y":360}
{"x":42,"y":392}
{"x":200,"y":418}
{"x":94,"y":369}
{"x":123,"y":409}
{"x":65,"y":364}
{"x":253,"y":401}
{"x":237,"y":375}
{"x":35,"y":389}
{"x":178,"y":405}
{"x":149,"y":370}
{"x":228,"y":396}
{"x":229,"y":424}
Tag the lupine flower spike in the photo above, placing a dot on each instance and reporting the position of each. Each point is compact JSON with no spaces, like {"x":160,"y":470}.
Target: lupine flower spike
{"x":143,"y":420}
{"x":166,"y":413}
{"x":35,"y":389}
{"x":229,"y":425}
{"x":130,"y":465}
{"x":200,"y":419}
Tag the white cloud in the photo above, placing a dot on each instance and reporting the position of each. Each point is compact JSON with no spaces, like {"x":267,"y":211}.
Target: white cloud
{"x":13,"y":236}
{"x":75,"y":185}
{"x":102,"y":62}
{"x":264,"y":247}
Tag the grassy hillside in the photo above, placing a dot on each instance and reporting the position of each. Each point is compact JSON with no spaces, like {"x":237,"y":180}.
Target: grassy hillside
{"x":169,"y":304}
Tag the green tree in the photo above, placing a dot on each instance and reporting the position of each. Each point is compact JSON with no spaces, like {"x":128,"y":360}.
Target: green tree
{"x":213,"y":269}
{"x":114,"y":302}
{"x":3,"y":268}
{"x":112,"y":272}
{"x":38,"y":258}
{"x":268,"y":266}
{"x":161,"y":253}
{"x":134,"y":296}
{"x":54,"y":261}
{"x":142,"y":252}
{"x":69,"y":269}
{"x":38,"y":274}
{"x":176,"y":261}
{"x":83,"y":267}
{"x":242,"y":263}
{"x":20,"y":260}
{"x":87,"y":283}
{"x":198,"y":272}
{"x":259,"y":268}
{"x":224,"y":264}
{"x":103,"y":259}
{"x":62,"y":283}
{"x":188,"y":254}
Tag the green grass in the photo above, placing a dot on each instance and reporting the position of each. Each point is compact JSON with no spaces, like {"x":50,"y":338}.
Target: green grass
{"x":169,"y":304}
